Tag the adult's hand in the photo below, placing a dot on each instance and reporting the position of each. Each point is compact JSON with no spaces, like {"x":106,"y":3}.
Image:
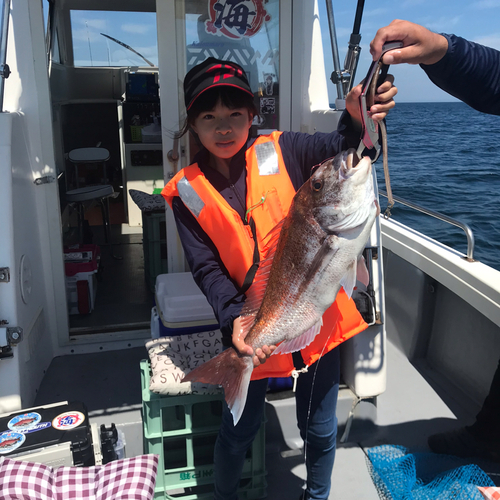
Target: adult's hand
{"x":420,"y":46}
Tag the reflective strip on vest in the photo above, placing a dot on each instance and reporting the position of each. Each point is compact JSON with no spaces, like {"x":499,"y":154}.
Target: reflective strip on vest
{"x":190,"y":197}
{"x":267,"y":158}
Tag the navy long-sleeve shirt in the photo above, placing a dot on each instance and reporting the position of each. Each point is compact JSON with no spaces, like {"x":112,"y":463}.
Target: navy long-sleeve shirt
{"x":300,"y":153}
{"x":470,"y":72}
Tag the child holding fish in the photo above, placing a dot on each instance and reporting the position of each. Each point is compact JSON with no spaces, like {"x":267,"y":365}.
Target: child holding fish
{"x":234,"y":195}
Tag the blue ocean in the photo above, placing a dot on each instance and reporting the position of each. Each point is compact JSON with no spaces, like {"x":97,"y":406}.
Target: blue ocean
{"x":446,"y":157}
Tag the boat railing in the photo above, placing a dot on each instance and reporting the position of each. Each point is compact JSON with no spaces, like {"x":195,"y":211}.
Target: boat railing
{"x":467,"y":230}
{"x":4,"y":27}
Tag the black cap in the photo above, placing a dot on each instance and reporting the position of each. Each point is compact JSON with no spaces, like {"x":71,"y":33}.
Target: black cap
{"x":211,"y":73}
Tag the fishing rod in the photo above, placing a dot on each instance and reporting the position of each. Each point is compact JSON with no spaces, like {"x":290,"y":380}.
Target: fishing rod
{"x":354,"y":49}
{"x":129,"y":48}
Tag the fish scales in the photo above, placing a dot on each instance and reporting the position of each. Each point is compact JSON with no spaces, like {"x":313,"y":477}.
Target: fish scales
{"x":284,"y":309}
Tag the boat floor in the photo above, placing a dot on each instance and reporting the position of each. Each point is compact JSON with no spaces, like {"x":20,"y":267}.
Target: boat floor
{"x":411,"y":409}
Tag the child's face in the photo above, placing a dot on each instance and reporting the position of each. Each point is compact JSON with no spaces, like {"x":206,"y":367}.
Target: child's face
{"x":223,"y":131}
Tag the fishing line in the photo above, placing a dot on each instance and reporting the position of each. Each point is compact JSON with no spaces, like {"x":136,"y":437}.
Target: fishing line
{"x":390,"y":199}
{"x":310,"y":403}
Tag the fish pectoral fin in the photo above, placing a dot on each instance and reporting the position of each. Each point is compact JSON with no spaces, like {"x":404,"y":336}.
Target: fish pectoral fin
{"x":298,"y":343}
{"x":348,"y":281}
{"x":355,"y":271}
{"x":323,"y":256}
{"x":362,"y":273}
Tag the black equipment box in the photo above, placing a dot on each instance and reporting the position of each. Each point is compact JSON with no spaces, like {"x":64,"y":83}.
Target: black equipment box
{"x":26,"y":432}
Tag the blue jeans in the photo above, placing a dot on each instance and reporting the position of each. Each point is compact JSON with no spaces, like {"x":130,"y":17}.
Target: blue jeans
{"x":319,"y":431}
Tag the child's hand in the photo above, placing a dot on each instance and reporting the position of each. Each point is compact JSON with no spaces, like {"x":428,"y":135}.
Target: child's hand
{"x":261,"y":354}
{"x":384,"y":101}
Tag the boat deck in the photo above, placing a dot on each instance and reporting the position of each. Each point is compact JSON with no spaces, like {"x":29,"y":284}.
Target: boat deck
{"x":412,"y":408}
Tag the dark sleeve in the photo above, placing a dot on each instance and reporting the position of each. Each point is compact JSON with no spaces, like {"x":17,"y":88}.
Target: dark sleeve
{"x":470,"y":72}
{"x":208,"y":270}
{"x":303,"y":151}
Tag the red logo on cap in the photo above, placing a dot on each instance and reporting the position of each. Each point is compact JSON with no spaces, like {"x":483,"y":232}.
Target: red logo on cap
{"x":236,"y":18}
{"x":224,"y":71}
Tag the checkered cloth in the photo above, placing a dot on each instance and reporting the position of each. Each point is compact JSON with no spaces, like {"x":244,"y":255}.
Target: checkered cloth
{"x":127,"y":479}
{"x":490,"y":492}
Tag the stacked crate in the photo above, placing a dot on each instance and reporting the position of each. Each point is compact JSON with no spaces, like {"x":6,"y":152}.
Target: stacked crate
{"x":182,"y":430}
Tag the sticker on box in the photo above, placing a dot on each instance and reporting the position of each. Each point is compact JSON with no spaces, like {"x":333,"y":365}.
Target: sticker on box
{"x":68,"y":420}
{"x":25,"y":421}
{"x":10,"y":441}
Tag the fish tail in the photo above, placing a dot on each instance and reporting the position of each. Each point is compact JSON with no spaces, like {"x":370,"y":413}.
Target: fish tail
{"x":232,"y":372}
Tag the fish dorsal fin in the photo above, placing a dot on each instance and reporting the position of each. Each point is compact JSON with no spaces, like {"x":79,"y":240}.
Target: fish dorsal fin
{"x":348,"y":281}
{"x":271,"y":239}
{"x":255,"y":294}
{"x":299,"y":342}
{"x":362,"y":274}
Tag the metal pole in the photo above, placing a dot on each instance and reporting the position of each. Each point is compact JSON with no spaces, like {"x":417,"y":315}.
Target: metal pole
{"x":335,"y":51}
{"x":4,"y":68}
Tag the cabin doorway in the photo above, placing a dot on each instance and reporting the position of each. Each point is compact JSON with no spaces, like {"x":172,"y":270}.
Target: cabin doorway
{"x":103,"y":70}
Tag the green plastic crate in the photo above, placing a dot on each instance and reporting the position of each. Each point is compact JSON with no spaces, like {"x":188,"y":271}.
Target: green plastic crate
{"x":182,"y":430}
{"x":154,"y":244}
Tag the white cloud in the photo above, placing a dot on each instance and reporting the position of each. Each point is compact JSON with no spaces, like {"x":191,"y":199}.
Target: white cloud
{"x":443,"y":24}
{"x":139,"y":29}
{"x":486,"y":4}
{"x":375,"y":12}
{"x":411,"y":3}
{"x":489,"y":41}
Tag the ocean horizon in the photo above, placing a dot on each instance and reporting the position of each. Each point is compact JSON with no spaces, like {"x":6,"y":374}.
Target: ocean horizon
{"x":445,"y":156}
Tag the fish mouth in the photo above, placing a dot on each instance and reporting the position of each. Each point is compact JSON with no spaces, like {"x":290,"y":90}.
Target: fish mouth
{"x":350,"y":164}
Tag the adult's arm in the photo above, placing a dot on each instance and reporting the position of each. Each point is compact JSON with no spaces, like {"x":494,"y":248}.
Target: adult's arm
{"x":464,"y":69}
{"x":470,"y":72}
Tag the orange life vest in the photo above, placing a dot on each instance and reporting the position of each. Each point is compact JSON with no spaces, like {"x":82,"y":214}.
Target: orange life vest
{"x":269,"y":195}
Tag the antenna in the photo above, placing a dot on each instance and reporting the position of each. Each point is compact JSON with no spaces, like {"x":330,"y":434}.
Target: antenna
{"x":128,"y":47}
{"x":88,"y":39}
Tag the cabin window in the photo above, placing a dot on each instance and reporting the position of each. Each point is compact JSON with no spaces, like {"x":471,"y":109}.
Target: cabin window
{"x":55,"y":55}
{"x":51,"y":38}
{"x":104,"y":38}
{"x":246,"y":32}
{"x":45,"y":7}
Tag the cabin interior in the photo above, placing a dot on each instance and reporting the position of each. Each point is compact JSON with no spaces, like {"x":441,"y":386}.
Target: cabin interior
{"x":106,"y":104}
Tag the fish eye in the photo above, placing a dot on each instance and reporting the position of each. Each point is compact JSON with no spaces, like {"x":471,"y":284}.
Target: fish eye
{"x":316,"y":184}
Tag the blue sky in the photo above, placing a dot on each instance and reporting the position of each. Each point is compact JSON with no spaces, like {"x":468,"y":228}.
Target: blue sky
{"x":478,"y":21}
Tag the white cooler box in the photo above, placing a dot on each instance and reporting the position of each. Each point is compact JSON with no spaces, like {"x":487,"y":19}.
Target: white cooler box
{"x":181,"y":308}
